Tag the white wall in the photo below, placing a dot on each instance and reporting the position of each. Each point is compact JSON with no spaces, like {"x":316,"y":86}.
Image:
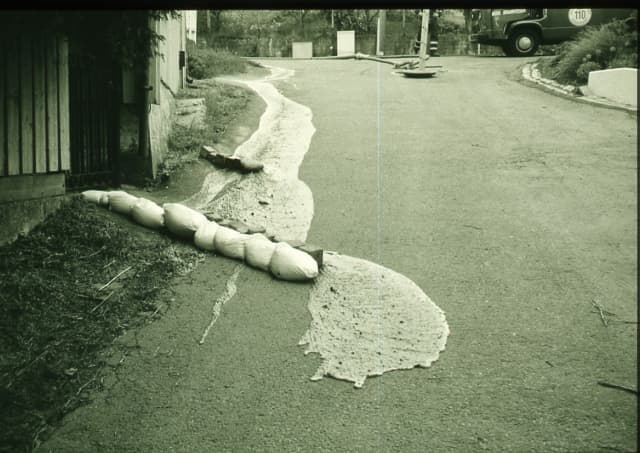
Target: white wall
{"x":346,"y":42}
{"x":191,"y":17}
{"x":166,"y":78}
{"x":165,"y":69}
{"x":620,"y":85}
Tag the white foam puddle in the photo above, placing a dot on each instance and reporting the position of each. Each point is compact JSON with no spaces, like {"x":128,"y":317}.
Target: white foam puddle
{"x":274,"y":198}
{"x":227,"y":295}
{"x":366,"y":319}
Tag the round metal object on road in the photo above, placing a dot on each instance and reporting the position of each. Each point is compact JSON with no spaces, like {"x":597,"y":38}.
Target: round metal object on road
{"x":417,"y":73}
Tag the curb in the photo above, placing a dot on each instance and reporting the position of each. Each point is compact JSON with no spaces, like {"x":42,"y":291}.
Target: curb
{"x":531,"y":74}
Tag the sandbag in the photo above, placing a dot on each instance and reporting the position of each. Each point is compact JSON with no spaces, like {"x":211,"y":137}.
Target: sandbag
{"x":258,"y":251}
{"x":250,"y":165}
{"x":100,"y":197}
{"x":147,"y":213}
{"x":288,"y":263}
{"x":230,"y":243}
{"x":121,"y":202}
{"x":182,"y":220}
{"x":204,"y":237}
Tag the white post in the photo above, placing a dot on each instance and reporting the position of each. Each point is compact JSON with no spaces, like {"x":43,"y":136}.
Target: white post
{"x":378,"y":37}
{"x":423,"y":37}
{"x":382,"y":25}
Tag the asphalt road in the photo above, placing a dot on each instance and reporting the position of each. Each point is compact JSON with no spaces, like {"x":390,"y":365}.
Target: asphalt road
{"x":513,"y":209}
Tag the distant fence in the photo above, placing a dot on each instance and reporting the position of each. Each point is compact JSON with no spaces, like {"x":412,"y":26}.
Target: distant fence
{"x":325,"y":44}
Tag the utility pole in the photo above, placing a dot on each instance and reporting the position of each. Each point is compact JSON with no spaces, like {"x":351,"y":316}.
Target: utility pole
{"x":423,"y":37}
{"x":382,"y":23}
{"x":332,"y":19}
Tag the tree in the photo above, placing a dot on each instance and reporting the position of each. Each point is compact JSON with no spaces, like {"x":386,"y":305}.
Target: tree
{"x":215,"y":13}
{"x":467,"y":20}
{"x":125,"y":36}
{"x":243,"y":22}
{"x":299,"y":15}
{"x":360,"y":20}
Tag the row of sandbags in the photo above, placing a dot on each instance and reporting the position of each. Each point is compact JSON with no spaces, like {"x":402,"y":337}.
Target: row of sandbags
{"x":281,"y":259}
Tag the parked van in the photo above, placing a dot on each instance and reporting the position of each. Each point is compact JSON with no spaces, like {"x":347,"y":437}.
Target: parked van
{"x":519,"y":32}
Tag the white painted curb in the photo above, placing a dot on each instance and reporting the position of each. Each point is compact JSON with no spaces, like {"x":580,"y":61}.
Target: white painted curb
{"x":532,"y":74}
{"x":619,"y":84}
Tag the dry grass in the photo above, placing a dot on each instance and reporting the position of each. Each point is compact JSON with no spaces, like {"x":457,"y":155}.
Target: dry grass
{"x":223,"y":105}
{"x":54,"y":319}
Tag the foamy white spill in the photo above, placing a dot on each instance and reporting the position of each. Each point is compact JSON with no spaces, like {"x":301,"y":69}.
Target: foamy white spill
{"x":274,"y":198}
{"x":227,"y":295}
{"x":368,"y":320}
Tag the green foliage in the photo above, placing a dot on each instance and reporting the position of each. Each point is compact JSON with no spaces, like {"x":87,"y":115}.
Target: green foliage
{"x":203,"y":63}
{"x":124,"y":35}
{"x":271,"y":33}
{"x":240,"y":22}
{"x":582,"y":73}
{"x":448,"y":26}
{"x":360,"y":20}
{"x":196,"y":66}
{"x":184,"y":140}
{"x":607,"y":46}
{"x":224,"y":103}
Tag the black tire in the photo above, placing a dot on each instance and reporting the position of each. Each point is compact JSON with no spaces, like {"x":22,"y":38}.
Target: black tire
{"x":522,"y":42}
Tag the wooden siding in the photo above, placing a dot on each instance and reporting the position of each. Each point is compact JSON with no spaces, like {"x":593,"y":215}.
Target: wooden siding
{"x":34,"y":105}
{"x":3,"y":135}
{"x":26,"y":105}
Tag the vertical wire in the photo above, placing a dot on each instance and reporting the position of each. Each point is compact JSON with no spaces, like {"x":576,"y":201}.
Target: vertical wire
{"x":379,"y":254}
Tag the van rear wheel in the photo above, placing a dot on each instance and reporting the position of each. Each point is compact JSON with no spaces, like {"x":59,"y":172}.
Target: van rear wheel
{"x":522,"y":43}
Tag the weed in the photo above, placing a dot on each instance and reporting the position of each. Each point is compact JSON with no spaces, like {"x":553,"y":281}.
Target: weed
{"x":206,"y":63}
{"x":223,"y":105}
{"x":607,"y":46}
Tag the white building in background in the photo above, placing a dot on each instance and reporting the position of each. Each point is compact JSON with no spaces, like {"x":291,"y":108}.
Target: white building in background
{"x":192,"y":24}
{"x":346,"y":42}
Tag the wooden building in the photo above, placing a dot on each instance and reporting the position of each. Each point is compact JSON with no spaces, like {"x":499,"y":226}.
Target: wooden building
{"x":34,"y":116}
{"x":61,"y":100}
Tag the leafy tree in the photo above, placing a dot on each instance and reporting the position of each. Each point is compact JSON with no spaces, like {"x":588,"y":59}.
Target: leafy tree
{"x":360,"y":20}
{"x":125,"y":36}
{"x":467,"y":20}
{"x":242,"y":22}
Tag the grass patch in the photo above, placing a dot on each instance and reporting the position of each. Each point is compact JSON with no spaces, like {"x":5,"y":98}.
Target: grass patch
{"x":224,"y":103}
{"x":205,"y":63}
{"x":54,"y":320}
{"x":608,"y":46}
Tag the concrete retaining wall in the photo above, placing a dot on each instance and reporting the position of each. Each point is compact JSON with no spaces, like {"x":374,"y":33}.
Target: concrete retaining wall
{"x":20,"y":217}
{"x":160,"y":122}
{"x":619,"y":85}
